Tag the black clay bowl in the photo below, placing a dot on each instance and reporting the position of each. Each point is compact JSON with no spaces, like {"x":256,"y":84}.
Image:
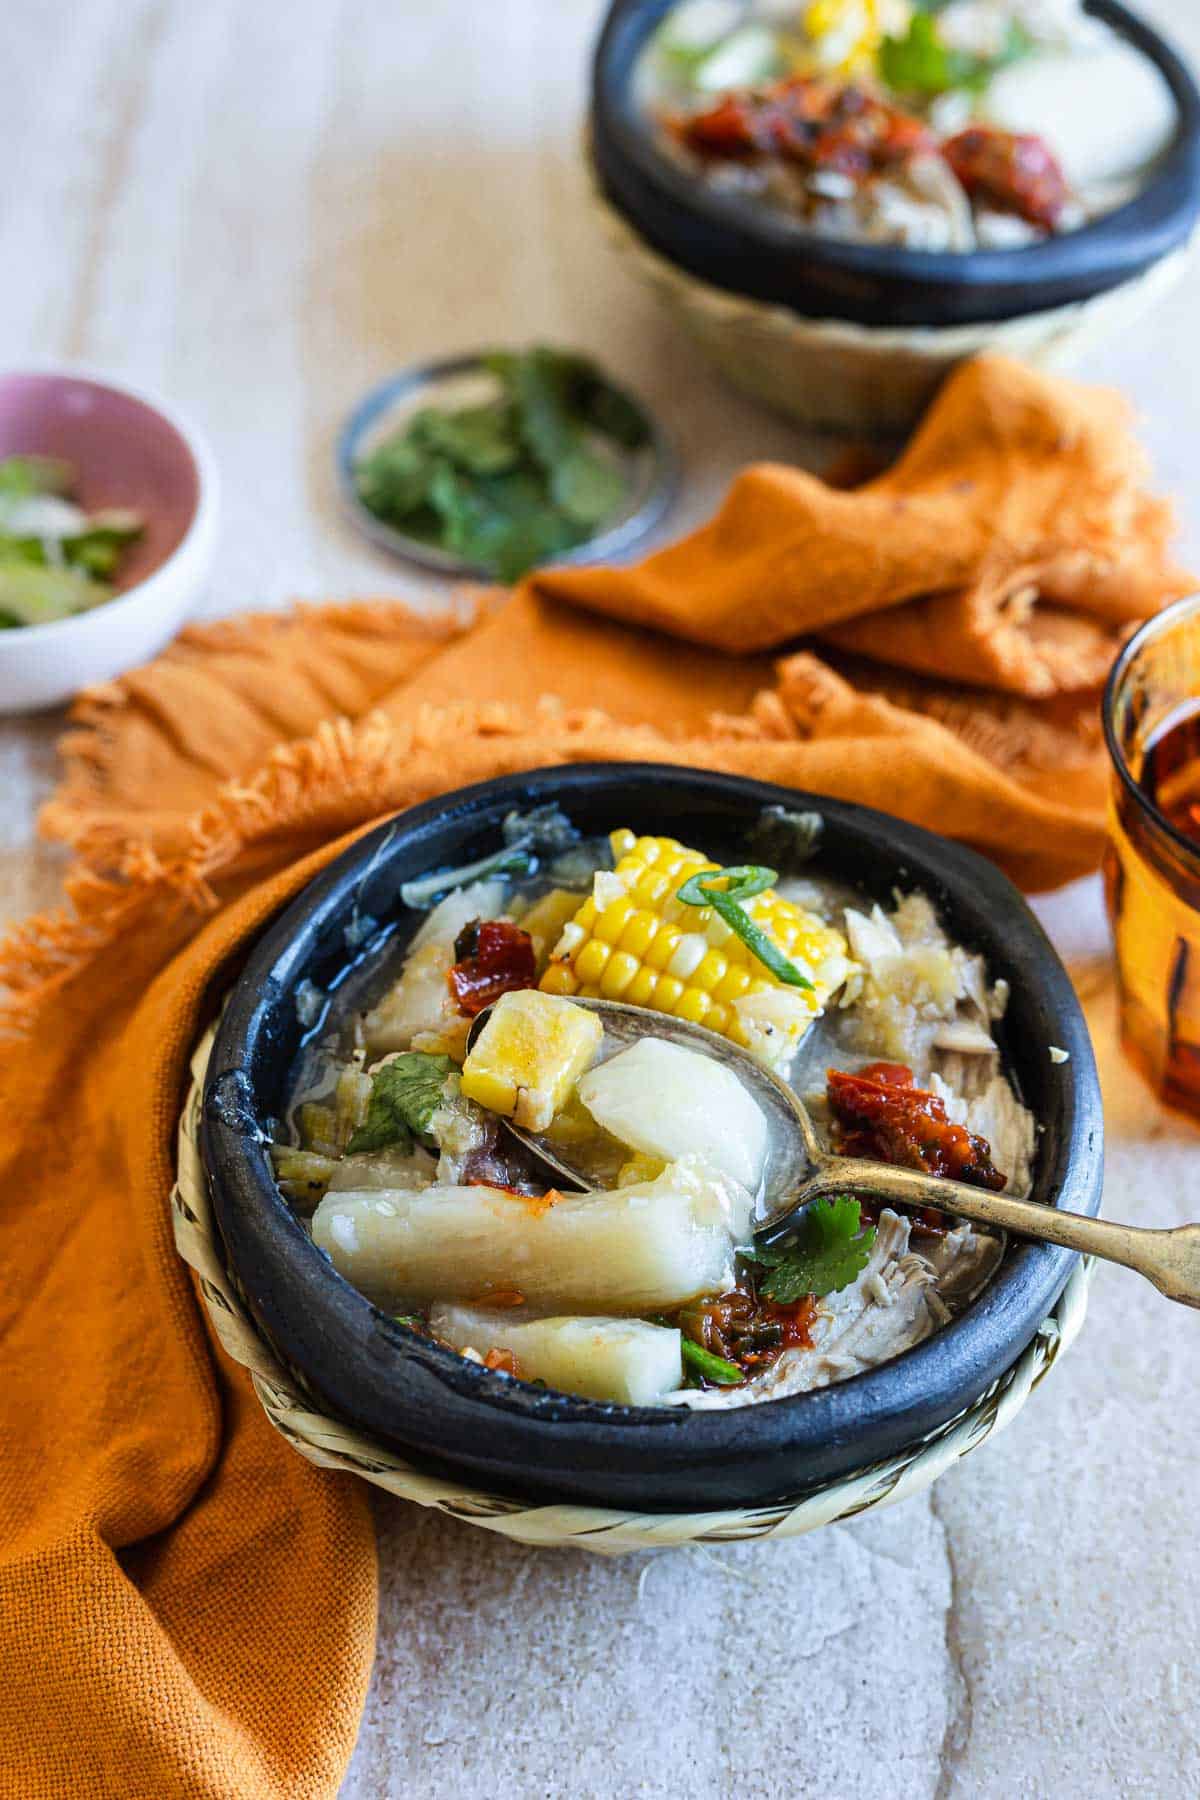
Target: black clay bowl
{"x":502,"y":1434}
{"x":750,"y":250}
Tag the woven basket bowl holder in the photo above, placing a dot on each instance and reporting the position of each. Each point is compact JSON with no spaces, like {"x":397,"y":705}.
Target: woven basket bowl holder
{"x":331,"y":1444}
{"x":831,"y":375}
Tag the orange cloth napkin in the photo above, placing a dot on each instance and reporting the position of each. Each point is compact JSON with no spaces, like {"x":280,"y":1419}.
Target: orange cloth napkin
{"x":186,"y":1606}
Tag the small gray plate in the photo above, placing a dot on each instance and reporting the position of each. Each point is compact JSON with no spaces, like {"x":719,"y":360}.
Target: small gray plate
{"x":465,"y":381}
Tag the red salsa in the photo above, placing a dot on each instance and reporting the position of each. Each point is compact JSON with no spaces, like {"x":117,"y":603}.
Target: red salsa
{"x":745,"y":1328}
{"x":880,"y":1113}
{"x":492,"y":957}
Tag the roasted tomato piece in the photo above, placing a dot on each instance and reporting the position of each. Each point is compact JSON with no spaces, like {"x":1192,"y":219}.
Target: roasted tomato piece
{"x":843,"y":152}
{"x":815,"y":101}
{"x":1012,"y":171}
{"x":903,"y":135}
{"x":494,"y":957}
{"x":880,"y":1113}
{"x":733,"y":127}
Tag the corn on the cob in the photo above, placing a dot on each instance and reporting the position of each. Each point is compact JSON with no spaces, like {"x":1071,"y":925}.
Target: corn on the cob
{"x":632,"y":940}
{"x":846,"y":34}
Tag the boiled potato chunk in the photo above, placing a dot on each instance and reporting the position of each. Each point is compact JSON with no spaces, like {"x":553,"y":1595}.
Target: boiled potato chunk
{"x":1085,"y":92}
{"x":528,"y":1057}
{"x":637,"y":1249}
{"x":665,"y":1100}
{"x":603,"y":1359}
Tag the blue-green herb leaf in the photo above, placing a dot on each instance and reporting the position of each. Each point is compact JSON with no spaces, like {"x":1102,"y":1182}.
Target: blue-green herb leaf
{"x":784,"y":838}
{"x":543,"y":831}
{"x":825,"y":1253}
{"x":405,"y":1094}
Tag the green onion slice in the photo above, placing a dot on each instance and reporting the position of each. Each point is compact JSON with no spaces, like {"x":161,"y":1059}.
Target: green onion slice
{"x":742,"y":883}
{"x":714,"y":1368}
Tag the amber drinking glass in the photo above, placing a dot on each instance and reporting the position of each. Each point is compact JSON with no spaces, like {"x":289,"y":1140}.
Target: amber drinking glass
{"x":1152,"y":865}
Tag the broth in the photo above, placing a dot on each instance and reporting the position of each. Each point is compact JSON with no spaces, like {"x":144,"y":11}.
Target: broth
{"x":395,"y":1141}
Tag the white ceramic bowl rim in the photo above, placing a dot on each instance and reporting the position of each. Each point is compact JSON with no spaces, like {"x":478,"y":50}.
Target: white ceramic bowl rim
{"x":203,"y":461}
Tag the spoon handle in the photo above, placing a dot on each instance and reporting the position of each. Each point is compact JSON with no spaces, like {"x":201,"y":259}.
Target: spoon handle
{"x":1170,"y":1259}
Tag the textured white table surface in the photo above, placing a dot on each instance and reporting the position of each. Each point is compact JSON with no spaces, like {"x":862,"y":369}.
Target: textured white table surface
{"x":259,"y":210}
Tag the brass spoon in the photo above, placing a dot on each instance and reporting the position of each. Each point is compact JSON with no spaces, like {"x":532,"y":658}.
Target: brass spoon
{"x":806,"y":1171}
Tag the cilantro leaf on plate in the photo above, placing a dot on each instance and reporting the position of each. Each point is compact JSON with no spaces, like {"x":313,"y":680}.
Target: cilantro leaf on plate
{"x":587,"y":487}
{"x":483,"y":440}
{"x":825,"y":1253}
{"x":610,"y":411}
{"x":405,"y":1094}
{"x":505,"y":523}
{"x":393,"y":480}
{"x":549,"y":388}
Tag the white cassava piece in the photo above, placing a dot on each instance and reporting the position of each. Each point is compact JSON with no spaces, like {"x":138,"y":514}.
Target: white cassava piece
{"x":330,"y":1444}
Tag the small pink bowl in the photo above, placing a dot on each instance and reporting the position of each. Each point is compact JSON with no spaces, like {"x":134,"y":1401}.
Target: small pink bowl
{"x":128,"y":451}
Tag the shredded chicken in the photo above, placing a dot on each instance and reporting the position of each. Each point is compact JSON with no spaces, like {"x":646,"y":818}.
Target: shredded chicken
{"x":902,"y":1296}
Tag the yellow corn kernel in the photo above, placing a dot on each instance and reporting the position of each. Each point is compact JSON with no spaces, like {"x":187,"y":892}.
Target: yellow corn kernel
{"x":619,"y":971}
{"x":732,"y":985}
{"x":663,"y":948}
{"x":667,"y":993}
{"x":710,"y":971}
{"x":559,"y":979}
{"x":589,"y":964}
{"x":639,"y":933}
{"x":694,"y":1006}
{"x":613,"y":920}
{"x":652,"y":889}
{"x":640,"y":991}
{"x":621,"y":842}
